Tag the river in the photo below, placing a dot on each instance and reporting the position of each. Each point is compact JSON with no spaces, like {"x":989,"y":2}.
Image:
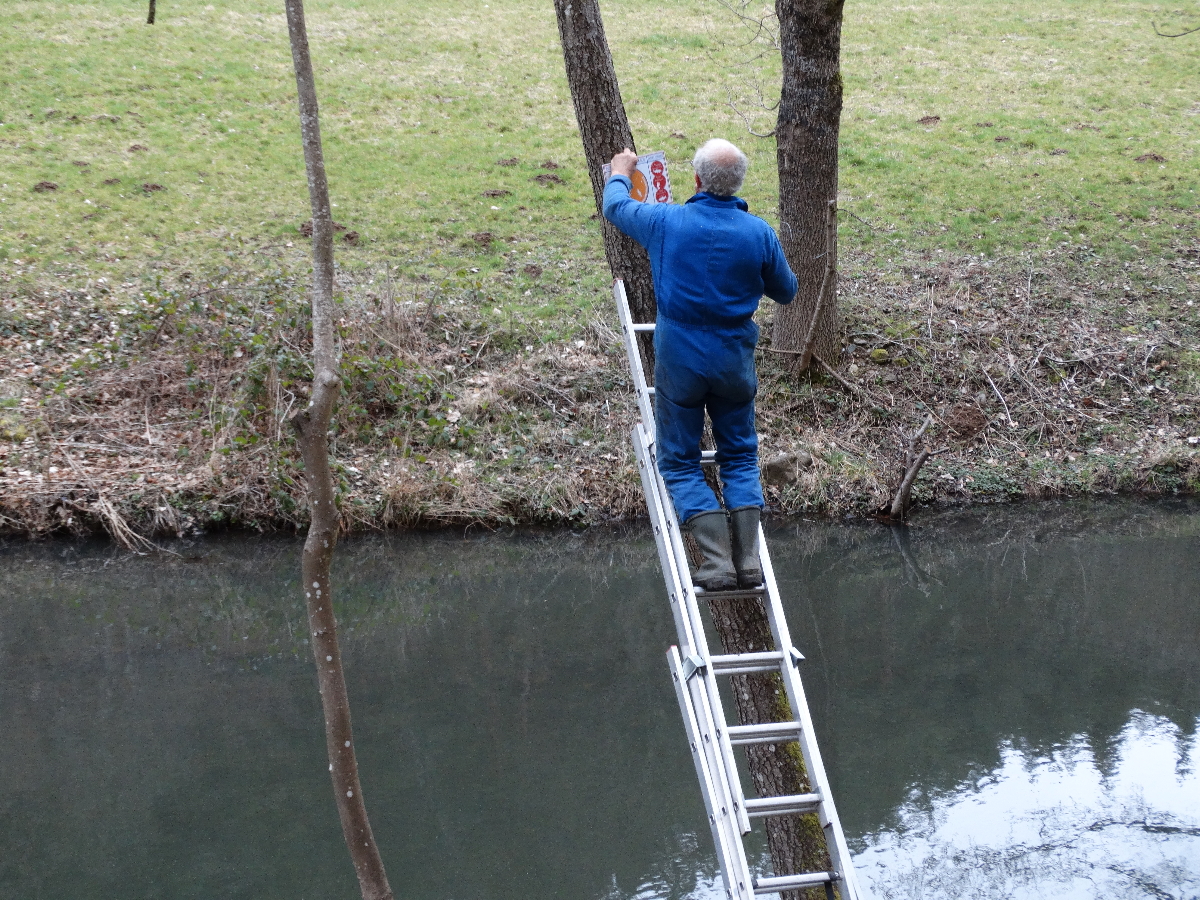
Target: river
{"x":1007,"y":700}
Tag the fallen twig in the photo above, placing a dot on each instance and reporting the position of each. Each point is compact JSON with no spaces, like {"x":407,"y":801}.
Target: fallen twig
{"x":1000,"y":396}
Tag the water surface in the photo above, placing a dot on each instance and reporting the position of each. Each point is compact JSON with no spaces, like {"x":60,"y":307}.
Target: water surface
{"x":1007,"y":701}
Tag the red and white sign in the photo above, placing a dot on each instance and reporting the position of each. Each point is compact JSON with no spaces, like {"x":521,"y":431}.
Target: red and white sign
{"x":651,"y":182}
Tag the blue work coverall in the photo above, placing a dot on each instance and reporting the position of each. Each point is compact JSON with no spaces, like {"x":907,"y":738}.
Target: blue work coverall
{"x":712,"y":262}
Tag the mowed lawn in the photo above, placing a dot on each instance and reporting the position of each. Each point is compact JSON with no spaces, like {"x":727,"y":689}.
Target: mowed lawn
{"x":1004,"y":128}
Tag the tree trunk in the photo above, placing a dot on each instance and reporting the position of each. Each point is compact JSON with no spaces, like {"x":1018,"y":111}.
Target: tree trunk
{"x":810,"y":109}
{"x":797,"y":843}
{"x":312,"y":426}
{"x":604,"y":130}
{"x":150,"y":15}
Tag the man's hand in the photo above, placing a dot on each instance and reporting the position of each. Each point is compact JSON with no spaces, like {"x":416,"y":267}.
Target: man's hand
{"x":624,"y":163}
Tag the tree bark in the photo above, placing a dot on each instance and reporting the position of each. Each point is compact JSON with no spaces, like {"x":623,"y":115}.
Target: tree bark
{"x":604,"y":130}
{"x":150,"y":15}
{"x":810,"y":110}
{"x":797,"y":843}
{"x":312,"y":426}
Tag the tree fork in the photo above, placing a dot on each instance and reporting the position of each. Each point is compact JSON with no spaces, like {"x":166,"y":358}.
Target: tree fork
{"x":810,"y":109}
{"x":312,"y":428}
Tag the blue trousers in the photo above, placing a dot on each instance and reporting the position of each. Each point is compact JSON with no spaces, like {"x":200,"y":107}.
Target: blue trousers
{"x":697,"y":371}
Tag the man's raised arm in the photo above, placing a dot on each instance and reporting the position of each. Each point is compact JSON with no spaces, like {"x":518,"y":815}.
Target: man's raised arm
{"x":778,"y":281}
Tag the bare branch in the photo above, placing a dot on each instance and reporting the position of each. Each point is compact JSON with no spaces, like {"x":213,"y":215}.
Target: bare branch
{"x":758,"y":24}
{"x":1000,"y":397}
{"x":904,"y":492}
{"x":1179,"y":34}
{"x":745,"y":118}
{"x":830,"y":275}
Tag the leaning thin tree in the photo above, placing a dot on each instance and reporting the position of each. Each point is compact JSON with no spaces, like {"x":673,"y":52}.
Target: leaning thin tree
{"x":604,"y":129}
{"x":312,"y":426}
{"x":806,"y":134}
{"x":797,"y":843}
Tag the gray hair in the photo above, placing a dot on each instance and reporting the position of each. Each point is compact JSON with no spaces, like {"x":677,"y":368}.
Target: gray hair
{"x":721,"y":167}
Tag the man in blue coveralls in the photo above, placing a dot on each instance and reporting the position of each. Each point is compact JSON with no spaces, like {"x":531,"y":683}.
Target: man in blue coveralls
{"x":712,"y":262}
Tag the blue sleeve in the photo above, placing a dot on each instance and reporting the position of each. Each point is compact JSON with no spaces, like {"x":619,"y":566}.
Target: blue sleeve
{"x":636,"y":219}
{"x":779,"y":282}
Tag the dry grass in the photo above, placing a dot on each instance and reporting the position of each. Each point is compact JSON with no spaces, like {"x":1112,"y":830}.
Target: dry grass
{"x":1036,"y":385}
{"x":178,"y":419}
{"x":169,"y":413}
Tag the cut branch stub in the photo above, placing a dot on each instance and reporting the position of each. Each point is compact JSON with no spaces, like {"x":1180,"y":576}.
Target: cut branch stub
{"x":913,"y":461}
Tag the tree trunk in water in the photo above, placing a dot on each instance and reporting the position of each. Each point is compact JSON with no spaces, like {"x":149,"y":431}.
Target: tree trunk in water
{"x":797,"y":843}
{"x":150,"y":15}
{"x":604,"y":130}
{"x":312,"y":426}
{"x":810,"y":110}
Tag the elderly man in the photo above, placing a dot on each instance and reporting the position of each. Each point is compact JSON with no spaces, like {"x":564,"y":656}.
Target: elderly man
{"x":712,"y":263}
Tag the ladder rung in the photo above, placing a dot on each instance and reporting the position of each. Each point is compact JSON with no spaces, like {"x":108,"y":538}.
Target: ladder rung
{"x":763,"y":733}
{"x":784,"y":805}
{"x":745,"y":663}
{"x":735,"y":594}
{"x":643,"y":326}
{"x":769,"y":884}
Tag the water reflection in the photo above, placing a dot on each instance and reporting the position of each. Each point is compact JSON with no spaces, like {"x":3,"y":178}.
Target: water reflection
{"x":1053,"y":825}
{"x":1007,"y":701}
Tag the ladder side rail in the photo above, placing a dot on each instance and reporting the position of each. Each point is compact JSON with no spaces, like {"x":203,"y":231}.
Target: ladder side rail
{"x":641,"y":388}
{"x":669,"y":520}
{"x":666,"y":555}
{"x":707,"y":700}
{"x":685,"y":600}
{"x":689,"y":627}
{"x":691,"y":608}
{"x":730,"y":851}
{"x":835,"y":839}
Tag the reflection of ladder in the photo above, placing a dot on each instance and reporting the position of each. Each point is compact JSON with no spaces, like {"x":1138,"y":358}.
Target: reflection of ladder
{"x":695,"y":672}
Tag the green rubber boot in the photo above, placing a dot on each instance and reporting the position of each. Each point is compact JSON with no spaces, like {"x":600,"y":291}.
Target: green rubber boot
{"x":706,"y":536}
{"x":744,"y":525}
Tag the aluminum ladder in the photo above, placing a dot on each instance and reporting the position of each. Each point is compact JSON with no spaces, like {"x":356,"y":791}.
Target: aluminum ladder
{"x":694,"y":671}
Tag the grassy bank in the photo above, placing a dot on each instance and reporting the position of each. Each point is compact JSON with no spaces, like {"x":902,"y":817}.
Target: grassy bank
{"x":1023,"y":247}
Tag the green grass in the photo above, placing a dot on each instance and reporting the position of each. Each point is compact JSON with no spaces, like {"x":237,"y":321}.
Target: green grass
{"x":419,"y":102}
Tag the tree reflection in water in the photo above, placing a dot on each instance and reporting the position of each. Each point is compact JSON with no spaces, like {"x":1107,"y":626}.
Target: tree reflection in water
{"x":1053,"y":825}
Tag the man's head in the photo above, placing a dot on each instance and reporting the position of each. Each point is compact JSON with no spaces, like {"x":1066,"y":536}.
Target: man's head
{"x":720,"y":168}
